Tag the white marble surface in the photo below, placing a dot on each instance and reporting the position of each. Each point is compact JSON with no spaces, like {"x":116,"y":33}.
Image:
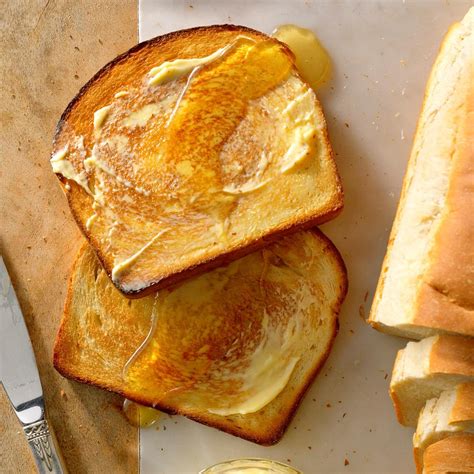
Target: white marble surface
{"x":382,"y":53}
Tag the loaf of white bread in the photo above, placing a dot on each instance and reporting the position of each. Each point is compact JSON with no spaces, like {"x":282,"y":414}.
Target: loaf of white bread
{"x":426,"y":285}
{"x":450,"y":414}
{"x":424,"y":369}
{"x":453,"y":454}
{"x":427,"y":279}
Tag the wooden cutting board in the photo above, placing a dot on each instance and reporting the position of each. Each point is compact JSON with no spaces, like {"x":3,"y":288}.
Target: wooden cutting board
{"x":49,"y":50}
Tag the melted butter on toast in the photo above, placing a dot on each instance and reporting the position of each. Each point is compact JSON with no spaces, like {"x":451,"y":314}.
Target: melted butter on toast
{"x":229,"y":361}
{"x":187,"y":150}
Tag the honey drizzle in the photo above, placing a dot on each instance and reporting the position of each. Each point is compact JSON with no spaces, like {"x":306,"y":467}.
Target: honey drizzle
{"x":154,"y":316}
{"x":312,"y":60}
{"x":139,"y":415}
{"x":142,"y":346}
{"x":198,"y":68}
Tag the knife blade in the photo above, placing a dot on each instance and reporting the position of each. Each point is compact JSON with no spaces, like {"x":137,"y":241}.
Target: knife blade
{"x":18,"y":372}
{"x":20,"y":379}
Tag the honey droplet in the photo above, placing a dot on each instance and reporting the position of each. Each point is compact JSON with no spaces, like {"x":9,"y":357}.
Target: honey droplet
{"x":312,"y":60}
{"x":139,"y":415}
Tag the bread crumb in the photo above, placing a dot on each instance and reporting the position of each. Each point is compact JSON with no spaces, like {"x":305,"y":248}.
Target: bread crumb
{"x":362,"y":312}
{"x":328,"y":405}
{"x":402,"y":62}
{"x":309,"y":447}
{"x":63,"y":394}
{"x":403,"y":91}
{"x":346,"y":462}
{"x":385,"y":378}
{"x":402,"y":134}
{"x":397,"y":114}
{"x":346,"y":124}
{"x":366,"y":296}
{"x":344,"y":415}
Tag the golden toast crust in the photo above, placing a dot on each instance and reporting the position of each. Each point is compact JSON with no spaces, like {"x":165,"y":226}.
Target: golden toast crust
{"x":265,"y":426}
{"x":124,"y":70}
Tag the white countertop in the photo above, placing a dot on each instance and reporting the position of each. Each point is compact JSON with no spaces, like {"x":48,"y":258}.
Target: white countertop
{"x":382,"y":52}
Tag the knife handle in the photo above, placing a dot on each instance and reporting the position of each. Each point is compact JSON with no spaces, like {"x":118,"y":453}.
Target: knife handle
{"x":44,"y":445}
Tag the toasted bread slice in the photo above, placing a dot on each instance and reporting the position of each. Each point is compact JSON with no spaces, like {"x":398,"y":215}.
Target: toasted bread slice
{"x":450,"y":414}
{"x":426,"y":368}
{"x":450,"y":455}
{"x":192,"y":150}
{"x":234,"y":348}
{"x":426,"y":283}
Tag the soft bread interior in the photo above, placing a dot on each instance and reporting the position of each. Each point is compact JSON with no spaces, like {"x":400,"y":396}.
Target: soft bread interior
{"x":451,"y":413}
{"x":234,"y":348}
{"x":442,"y":142}
{"x":419,"y":374}
{"x":172,"y":169}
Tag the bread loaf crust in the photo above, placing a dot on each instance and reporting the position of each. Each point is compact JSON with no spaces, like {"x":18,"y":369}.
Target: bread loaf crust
{"x":452,"y":355}
{"x":453,"y":454}
{"x":444,"y":297}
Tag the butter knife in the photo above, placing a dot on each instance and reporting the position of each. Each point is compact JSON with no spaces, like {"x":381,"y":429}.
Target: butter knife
{"x":20,"y":379}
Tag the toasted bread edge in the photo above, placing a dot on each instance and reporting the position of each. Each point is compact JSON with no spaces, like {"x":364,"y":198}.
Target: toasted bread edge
{"x":272,"y":434}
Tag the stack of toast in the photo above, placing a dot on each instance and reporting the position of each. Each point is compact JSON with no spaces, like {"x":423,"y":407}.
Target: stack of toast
{"x":426,"y":287}
{"x":197,"y":165}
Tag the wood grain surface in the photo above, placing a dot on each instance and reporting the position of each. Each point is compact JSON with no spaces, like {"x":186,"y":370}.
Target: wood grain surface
{"x":49,"y":49}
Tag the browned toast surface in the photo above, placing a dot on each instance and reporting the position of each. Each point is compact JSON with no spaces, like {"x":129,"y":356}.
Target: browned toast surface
{"x":169,"y":171}
{"x":235,"y":348}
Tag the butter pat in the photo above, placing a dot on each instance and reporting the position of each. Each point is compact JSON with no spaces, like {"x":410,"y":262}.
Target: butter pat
{"x":100,"y":117}
{"x":65,"y":168}
{"x":298,"y":131}
{"x":91,"y":220}
{"x":140,"y":117}
{"x":185,"y":168}
{"x":122,"y":266}
{"x":120,"y":94}
{"x":172,"y":70}
{"x":269,"y":370}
